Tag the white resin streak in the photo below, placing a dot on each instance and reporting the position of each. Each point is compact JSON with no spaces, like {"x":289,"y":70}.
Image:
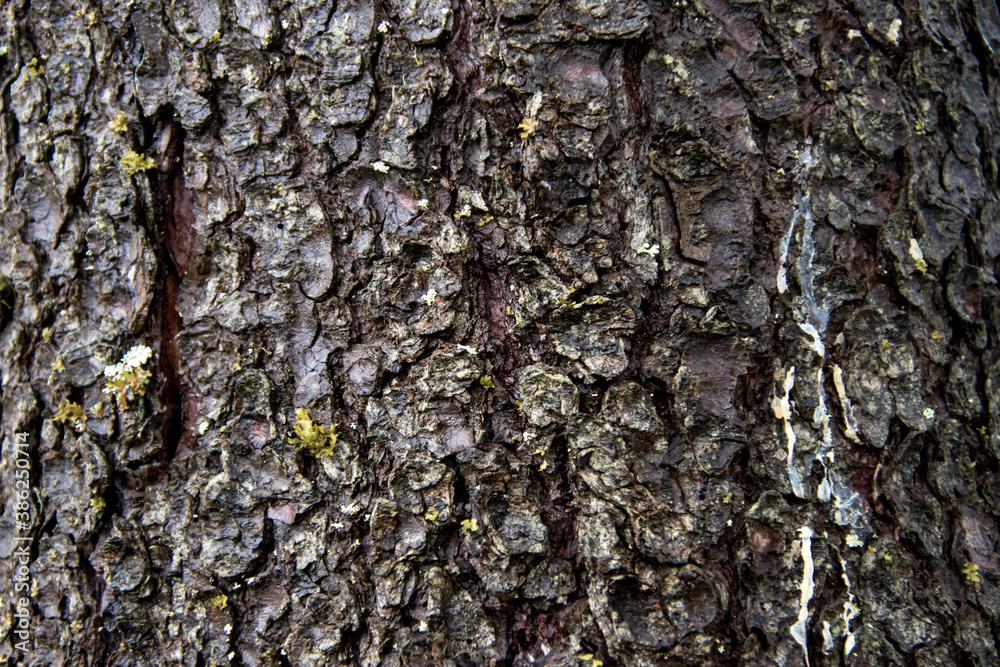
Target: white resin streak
{"x":827,"y":637}
{"x":786,"y":240}
{"x":850,"y":611}
{"x":812,"y":319}
{"x":783,"y":410}
{"x":838,"y":381}
{"x":798,"y":630}
{"x":802,"y":202}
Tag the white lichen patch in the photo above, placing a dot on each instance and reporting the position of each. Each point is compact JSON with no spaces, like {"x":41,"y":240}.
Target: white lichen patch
{"x":133,"y":360}
{"x":651,"y":250}
{"x":806,"y":589}
{"x":894,"y":28}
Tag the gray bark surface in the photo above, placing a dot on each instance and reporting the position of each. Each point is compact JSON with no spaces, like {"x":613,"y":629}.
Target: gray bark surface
{"x":653,"y":333}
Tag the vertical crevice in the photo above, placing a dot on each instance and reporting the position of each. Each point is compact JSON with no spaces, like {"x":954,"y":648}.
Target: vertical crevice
{"x":177,"y":241}
{"x":634,"y":54}
{"x":503,"y":345}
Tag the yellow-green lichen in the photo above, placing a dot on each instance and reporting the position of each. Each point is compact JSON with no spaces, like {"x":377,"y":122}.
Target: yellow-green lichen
{"x":35,"y":68}
{"x":971,"y":572}
{"x":128,"y":378}
{"x":470,"y":526}
{"x":71,"y":413}
{"x":119,"y":124}
{"x":318,"y":439}
{"x":528,"y":127}
{"x":135,"y":162}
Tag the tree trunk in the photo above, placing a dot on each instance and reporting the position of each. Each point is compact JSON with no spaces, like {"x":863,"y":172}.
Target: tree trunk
{"x":503,"y":333}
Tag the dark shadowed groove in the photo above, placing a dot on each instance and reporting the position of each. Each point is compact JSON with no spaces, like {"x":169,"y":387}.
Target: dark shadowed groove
{"x":177,"y":240}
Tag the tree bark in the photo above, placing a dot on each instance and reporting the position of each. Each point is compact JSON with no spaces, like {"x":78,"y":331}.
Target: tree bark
{"x":651,"y":334}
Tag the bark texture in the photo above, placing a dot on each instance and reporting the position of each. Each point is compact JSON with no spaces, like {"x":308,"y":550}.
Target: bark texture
{"x":655,"y":333}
